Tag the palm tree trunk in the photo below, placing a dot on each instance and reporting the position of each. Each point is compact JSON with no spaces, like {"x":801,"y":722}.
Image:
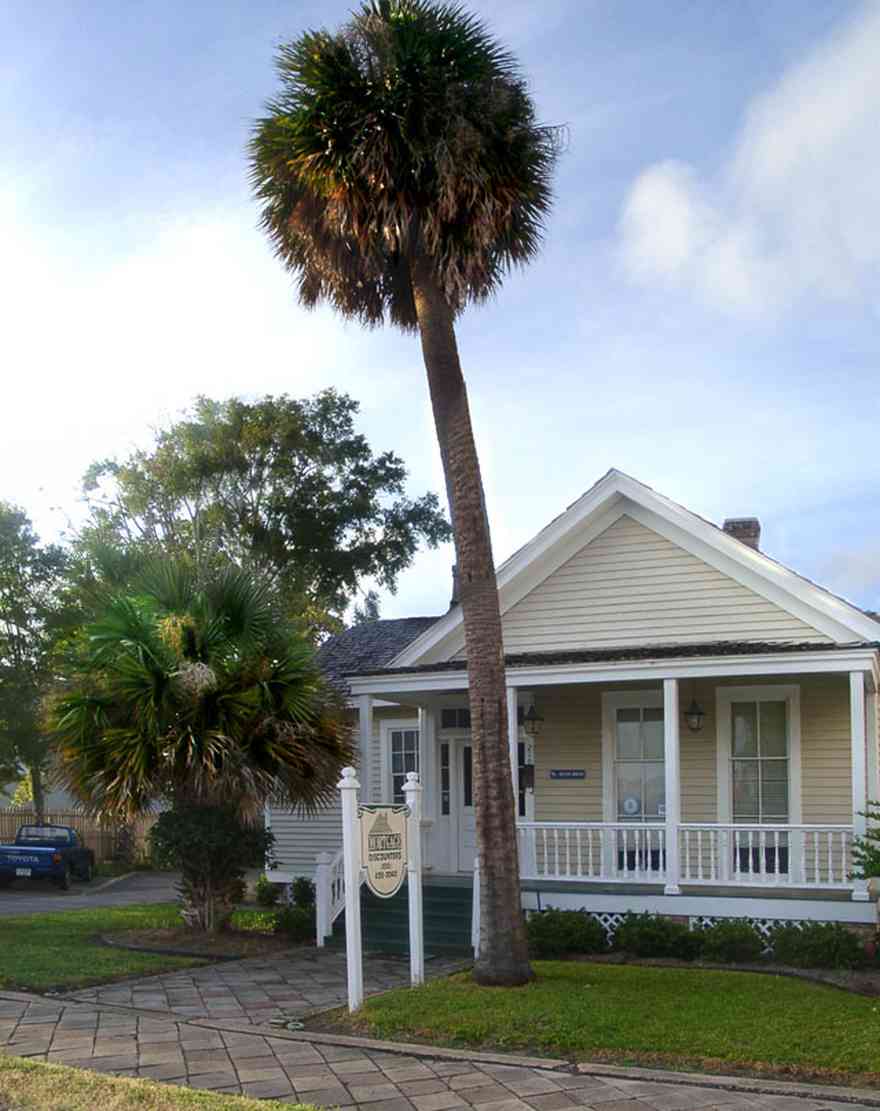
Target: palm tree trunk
{"x":503,"y":953}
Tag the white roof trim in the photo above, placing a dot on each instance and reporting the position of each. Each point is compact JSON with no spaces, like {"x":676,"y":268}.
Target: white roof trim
{"x":610,"y":498}
{"x":816,"y":661}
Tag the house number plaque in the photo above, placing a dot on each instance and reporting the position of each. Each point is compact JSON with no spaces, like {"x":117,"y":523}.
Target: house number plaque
{"x":384,"y":848}
{"x":568,"y":773}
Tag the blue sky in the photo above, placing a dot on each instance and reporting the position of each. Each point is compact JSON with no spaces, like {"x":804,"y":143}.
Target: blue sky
{"x":704,"y":315}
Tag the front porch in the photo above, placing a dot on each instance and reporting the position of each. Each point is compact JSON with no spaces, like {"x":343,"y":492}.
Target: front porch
{"x":621,"y":802}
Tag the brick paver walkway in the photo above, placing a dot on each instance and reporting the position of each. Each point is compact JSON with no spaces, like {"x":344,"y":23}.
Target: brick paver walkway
{"x":259,"y":990}
{"x":210,"y":1028}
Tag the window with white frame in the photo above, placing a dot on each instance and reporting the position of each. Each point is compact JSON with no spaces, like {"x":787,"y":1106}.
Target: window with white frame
{"x":638,"y":764}
{"x":759,"y":756}
{"x":404,"y":752}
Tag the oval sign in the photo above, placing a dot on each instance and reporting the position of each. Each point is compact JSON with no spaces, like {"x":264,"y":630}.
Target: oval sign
{"x":383,"y":848}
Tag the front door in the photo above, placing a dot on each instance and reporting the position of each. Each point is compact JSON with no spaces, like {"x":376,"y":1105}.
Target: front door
{"x":467,"y":830}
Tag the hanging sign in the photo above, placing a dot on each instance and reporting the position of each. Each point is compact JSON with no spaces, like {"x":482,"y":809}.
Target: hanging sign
{"x":384,"y":848}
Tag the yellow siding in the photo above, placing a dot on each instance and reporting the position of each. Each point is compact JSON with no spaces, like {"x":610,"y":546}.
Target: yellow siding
{"x":571,"y":737}
{"x":632,"y":586}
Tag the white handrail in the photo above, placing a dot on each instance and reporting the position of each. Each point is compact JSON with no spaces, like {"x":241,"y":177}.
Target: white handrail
{"x":329,"y":894}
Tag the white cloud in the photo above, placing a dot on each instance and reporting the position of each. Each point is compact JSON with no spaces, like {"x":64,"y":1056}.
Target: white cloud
{"x":793,"y":213}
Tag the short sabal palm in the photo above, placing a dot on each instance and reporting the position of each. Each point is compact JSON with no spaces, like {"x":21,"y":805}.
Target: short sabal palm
{"x":199,"y":697}
{"x":408,"y":132}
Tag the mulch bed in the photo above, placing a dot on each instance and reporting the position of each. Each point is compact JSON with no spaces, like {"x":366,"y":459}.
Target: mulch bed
{"x":180,"y":941}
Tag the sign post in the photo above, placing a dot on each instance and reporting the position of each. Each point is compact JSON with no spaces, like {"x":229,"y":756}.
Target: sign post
{"x":382,"y":845}
{"x":351,"y":848}
{"x":412,"y":791}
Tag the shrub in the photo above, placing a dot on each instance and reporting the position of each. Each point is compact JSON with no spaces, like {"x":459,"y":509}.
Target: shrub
{"x":212,"y":847}
{"x":651,"y":935}
{"x":297,"y":922}
{"x":817,"y":945}
{"x":555,"y":933}
{"x":266,"y":893}
{"x":732,"y":941}
{"x":302,"y":892}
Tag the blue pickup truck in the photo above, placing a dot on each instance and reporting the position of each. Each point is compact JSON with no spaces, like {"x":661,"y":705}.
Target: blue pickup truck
{"x":53,"y":853}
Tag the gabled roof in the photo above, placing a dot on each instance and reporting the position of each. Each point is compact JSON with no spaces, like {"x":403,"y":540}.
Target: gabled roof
{"x":614,"y":495}
{"x":371,"y":645}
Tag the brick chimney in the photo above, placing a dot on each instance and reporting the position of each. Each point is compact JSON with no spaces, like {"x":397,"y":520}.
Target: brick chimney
{"x":747,"y":529}
{"x":456,"y":595}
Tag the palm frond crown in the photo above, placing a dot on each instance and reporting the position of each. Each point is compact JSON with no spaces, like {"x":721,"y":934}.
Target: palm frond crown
{"x":410,"y":130}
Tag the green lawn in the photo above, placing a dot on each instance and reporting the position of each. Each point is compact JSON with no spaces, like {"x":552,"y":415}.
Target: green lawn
{"x":685,"y":1018}
{"x":39,"y":952}
{"x":33,"y":1086}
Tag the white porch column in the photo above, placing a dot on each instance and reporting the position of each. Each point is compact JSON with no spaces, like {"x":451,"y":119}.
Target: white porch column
{"x":873,"y":761}
{"x":513,"y":742}
{"x":429,"y":778}
{"x":673,"y":784}
{"x":859,"y":767}
{"x":365,"y":743}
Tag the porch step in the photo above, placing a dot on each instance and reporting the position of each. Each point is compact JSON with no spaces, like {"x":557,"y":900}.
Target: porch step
{"x":385,"y":922}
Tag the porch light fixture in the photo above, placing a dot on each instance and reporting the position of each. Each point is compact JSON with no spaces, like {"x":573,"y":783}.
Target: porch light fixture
{"x":694,"y":716}
{"x":532,"y":721}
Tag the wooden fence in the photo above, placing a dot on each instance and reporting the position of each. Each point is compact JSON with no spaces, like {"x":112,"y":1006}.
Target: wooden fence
{"x":107,"y":840}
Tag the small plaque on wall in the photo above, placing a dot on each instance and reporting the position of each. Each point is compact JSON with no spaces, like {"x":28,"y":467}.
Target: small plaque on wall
{"x":568,"y":773}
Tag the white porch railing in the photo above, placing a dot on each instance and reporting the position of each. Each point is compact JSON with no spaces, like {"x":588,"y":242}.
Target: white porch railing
{"x":623,"y":852}
{"x":804,"y":856}
{"x":329,"y":894}
{"x":757,"y":855}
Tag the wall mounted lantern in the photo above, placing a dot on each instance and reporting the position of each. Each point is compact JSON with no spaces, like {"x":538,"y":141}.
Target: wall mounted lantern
{"x":694,"y":715}
{"x":532,"y":721}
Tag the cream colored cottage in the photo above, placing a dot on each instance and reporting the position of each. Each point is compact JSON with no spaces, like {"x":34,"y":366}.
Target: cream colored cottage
{"x":693,"y":725}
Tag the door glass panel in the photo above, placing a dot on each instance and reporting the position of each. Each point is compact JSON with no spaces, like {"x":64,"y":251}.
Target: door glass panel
{"x":773,"y":738}
{"x":655,"y":791}
{"x":629,"y":792}
{"x":467,"y":771}
{"x":745,"y":728}
{"x":444,"y":778}
{"x":629,"y":735}
{"x":652,"y":732}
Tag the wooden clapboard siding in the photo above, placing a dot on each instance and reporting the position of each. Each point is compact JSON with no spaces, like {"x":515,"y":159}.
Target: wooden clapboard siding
{"x":571,"y":737}
{"x":299,"y":839}
{"x":632,"y":586}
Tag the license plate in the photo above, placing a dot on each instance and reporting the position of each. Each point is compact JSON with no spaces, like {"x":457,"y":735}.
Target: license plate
{"x":22,"y":871}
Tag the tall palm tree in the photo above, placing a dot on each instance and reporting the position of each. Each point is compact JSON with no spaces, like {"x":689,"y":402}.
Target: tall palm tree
{"x":401,"y":174}
{"x":200,"y":697}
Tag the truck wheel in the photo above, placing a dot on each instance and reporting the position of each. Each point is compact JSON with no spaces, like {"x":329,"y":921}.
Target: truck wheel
{"x":63,"y":881}
{"x":88,"y":872}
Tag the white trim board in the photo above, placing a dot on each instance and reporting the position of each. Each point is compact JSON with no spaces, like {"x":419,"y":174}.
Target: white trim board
{"x":648,"y":670}
{"x":697,"y":906}
{"x":612,"y":496}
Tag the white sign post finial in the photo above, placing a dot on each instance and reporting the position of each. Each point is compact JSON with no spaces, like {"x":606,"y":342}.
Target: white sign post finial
{"x":412,"y":792}
{"x":351,"y":846}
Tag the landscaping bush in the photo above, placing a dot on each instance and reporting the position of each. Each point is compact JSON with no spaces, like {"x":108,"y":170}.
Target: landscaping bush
{"x":302,"y":892}
{"x":732,"y":941}
{"x":267,"y":894}
{"x":298,"y":923}
{"x":651,"y":935}
{"x":817,"y":945}
{"x":555,"y":933}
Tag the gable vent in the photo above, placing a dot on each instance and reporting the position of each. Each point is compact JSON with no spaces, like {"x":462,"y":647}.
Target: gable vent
{"x":746,"y":529}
